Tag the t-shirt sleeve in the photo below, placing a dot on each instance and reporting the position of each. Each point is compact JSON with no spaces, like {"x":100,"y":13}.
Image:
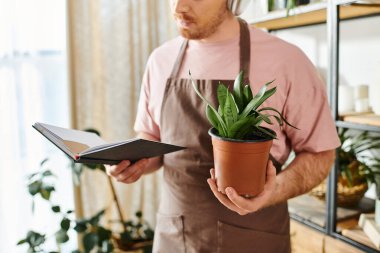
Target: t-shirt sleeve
{"x":307,"y":108}
{"x":144,"y":120}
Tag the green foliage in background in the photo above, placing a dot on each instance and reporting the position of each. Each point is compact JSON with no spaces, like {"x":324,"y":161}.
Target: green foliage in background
{"x":354,"y":160}
{"x":96,"y":237}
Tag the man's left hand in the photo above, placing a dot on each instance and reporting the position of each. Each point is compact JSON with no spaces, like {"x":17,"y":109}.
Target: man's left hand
{"x":233,"y":201}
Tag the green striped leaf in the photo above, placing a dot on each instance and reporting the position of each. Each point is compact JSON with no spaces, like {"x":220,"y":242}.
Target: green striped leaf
{"x":238,"y":125}
{"x":266,"y":119}
{"x":263,"y":130}
{"x":266,"y":95}
{"x":229,"y":111}
{"x":279,"y":113}
{"x":234,"y":107}
{"x":214,"y":112}
{"x":278,"y":119}
{"x":211,"y":117}
{"x":242,"y":133}
{"x":220,"y":110}
{"x":238,"y":90}
{"x":222,"y":94}
{"x":258,"y":121}
{"x":247,"y":94}
{"x":258,"y":99}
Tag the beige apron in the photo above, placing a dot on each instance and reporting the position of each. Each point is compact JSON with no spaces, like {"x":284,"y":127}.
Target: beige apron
{"x":190,"y":218}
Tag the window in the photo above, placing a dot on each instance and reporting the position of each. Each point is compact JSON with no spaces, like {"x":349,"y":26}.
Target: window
{"x":33,"y":87}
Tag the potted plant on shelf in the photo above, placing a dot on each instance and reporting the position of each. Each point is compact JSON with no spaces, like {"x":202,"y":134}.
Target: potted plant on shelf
{"x":131,"y":235}
{"x":291,"y":4}
{"x":285,"y":4}
{"x":356,"y":168}
{"x":241,"y":144}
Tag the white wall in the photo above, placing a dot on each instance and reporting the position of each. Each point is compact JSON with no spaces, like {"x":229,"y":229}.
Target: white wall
{"x":359,"y":50}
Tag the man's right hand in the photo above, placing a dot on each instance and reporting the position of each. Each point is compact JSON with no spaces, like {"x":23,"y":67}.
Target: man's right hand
{"x":127,"y":172}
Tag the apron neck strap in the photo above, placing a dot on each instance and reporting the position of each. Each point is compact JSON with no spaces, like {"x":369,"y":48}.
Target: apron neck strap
{"x":245,"y":49}
{"x":245,"y":52}
{"x":178,"y":62}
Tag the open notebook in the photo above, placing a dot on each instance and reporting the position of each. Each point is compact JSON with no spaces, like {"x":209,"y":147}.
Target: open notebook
{"x":87,"y":147}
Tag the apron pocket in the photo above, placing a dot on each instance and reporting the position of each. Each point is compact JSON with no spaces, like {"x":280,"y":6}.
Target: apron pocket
{"x":169,"y":234}
{"x":232,"y":238}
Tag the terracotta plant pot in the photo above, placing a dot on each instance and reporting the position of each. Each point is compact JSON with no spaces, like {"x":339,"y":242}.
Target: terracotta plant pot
{"x":240,"y":164}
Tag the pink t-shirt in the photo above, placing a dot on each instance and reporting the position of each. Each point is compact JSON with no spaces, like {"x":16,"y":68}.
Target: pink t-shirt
{"x":300,"y":96}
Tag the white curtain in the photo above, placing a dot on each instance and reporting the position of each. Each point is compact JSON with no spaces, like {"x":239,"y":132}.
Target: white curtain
{"x":110,"y":42}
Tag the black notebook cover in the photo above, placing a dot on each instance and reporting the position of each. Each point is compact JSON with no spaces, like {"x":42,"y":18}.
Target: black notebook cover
{"x":89,"y":148}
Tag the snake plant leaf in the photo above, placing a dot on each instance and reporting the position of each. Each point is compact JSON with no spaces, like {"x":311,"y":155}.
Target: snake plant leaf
{"x":235,"y":105}
{"x":280,"y":114}
{"x":278,"y":119}
{"x":258,"y":99}
{"x":257,"y":121}
{"x":247,"y":128}
{"x":220,"y":110}
{"x":263,"y":130}
{"x":211,"y":117}
{"x":244,"y":131}
{"x":238,"y":90}
{"x":267,"y":119}
{"x":223,"y":125}
{"x":248,"y":108}
{"x":197,"y":91}
{"x":214,"y":120}
{"x":222,"y":94}
{"x":247,"y":94}
{"x":266,"y":95}
{"x":263,"y":89}
{"x":229,"y":111}
{"x":238,"y":125}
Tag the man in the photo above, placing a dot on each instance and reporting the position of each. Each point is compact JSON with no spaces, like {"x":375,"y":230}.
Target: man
{"x":215,"y":45}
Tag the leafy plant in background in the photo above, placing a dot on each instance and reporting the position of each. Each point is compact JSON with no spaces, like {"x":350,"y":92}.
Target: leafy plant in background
{"x":291,"y":4}
{"x":354,"y":162}
{"x":285,"y":4}
{"x":238,"y":115}
{"x":135,"y":234}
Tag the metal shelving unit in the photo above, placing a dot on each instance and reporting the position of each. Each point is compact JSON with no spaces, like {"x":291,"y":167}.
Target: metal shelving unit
{"x":312,"y":14}
{"x":335,"y":9}
{"x":332,"y":13}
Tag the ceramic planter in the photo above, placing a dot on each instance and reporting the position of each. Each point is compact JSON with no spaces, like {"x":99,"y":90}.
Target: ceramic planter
{"x":240,"y":164}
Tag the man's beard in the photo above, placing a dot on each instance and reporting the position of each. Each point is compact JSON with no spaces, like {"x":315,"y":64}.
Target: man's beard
{"x":205,"y":30}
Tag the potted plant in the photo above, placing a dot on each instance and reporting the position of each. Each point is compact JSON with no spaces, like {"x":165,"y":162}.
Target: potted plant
{"x":356,"y":168}
{"x":132,"y":234}
{"x":241,"y":144}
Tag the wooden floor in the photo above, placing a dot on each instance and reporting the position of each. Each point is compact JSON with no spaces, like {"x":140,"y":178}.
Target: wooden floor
{"x":307,"y":240}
